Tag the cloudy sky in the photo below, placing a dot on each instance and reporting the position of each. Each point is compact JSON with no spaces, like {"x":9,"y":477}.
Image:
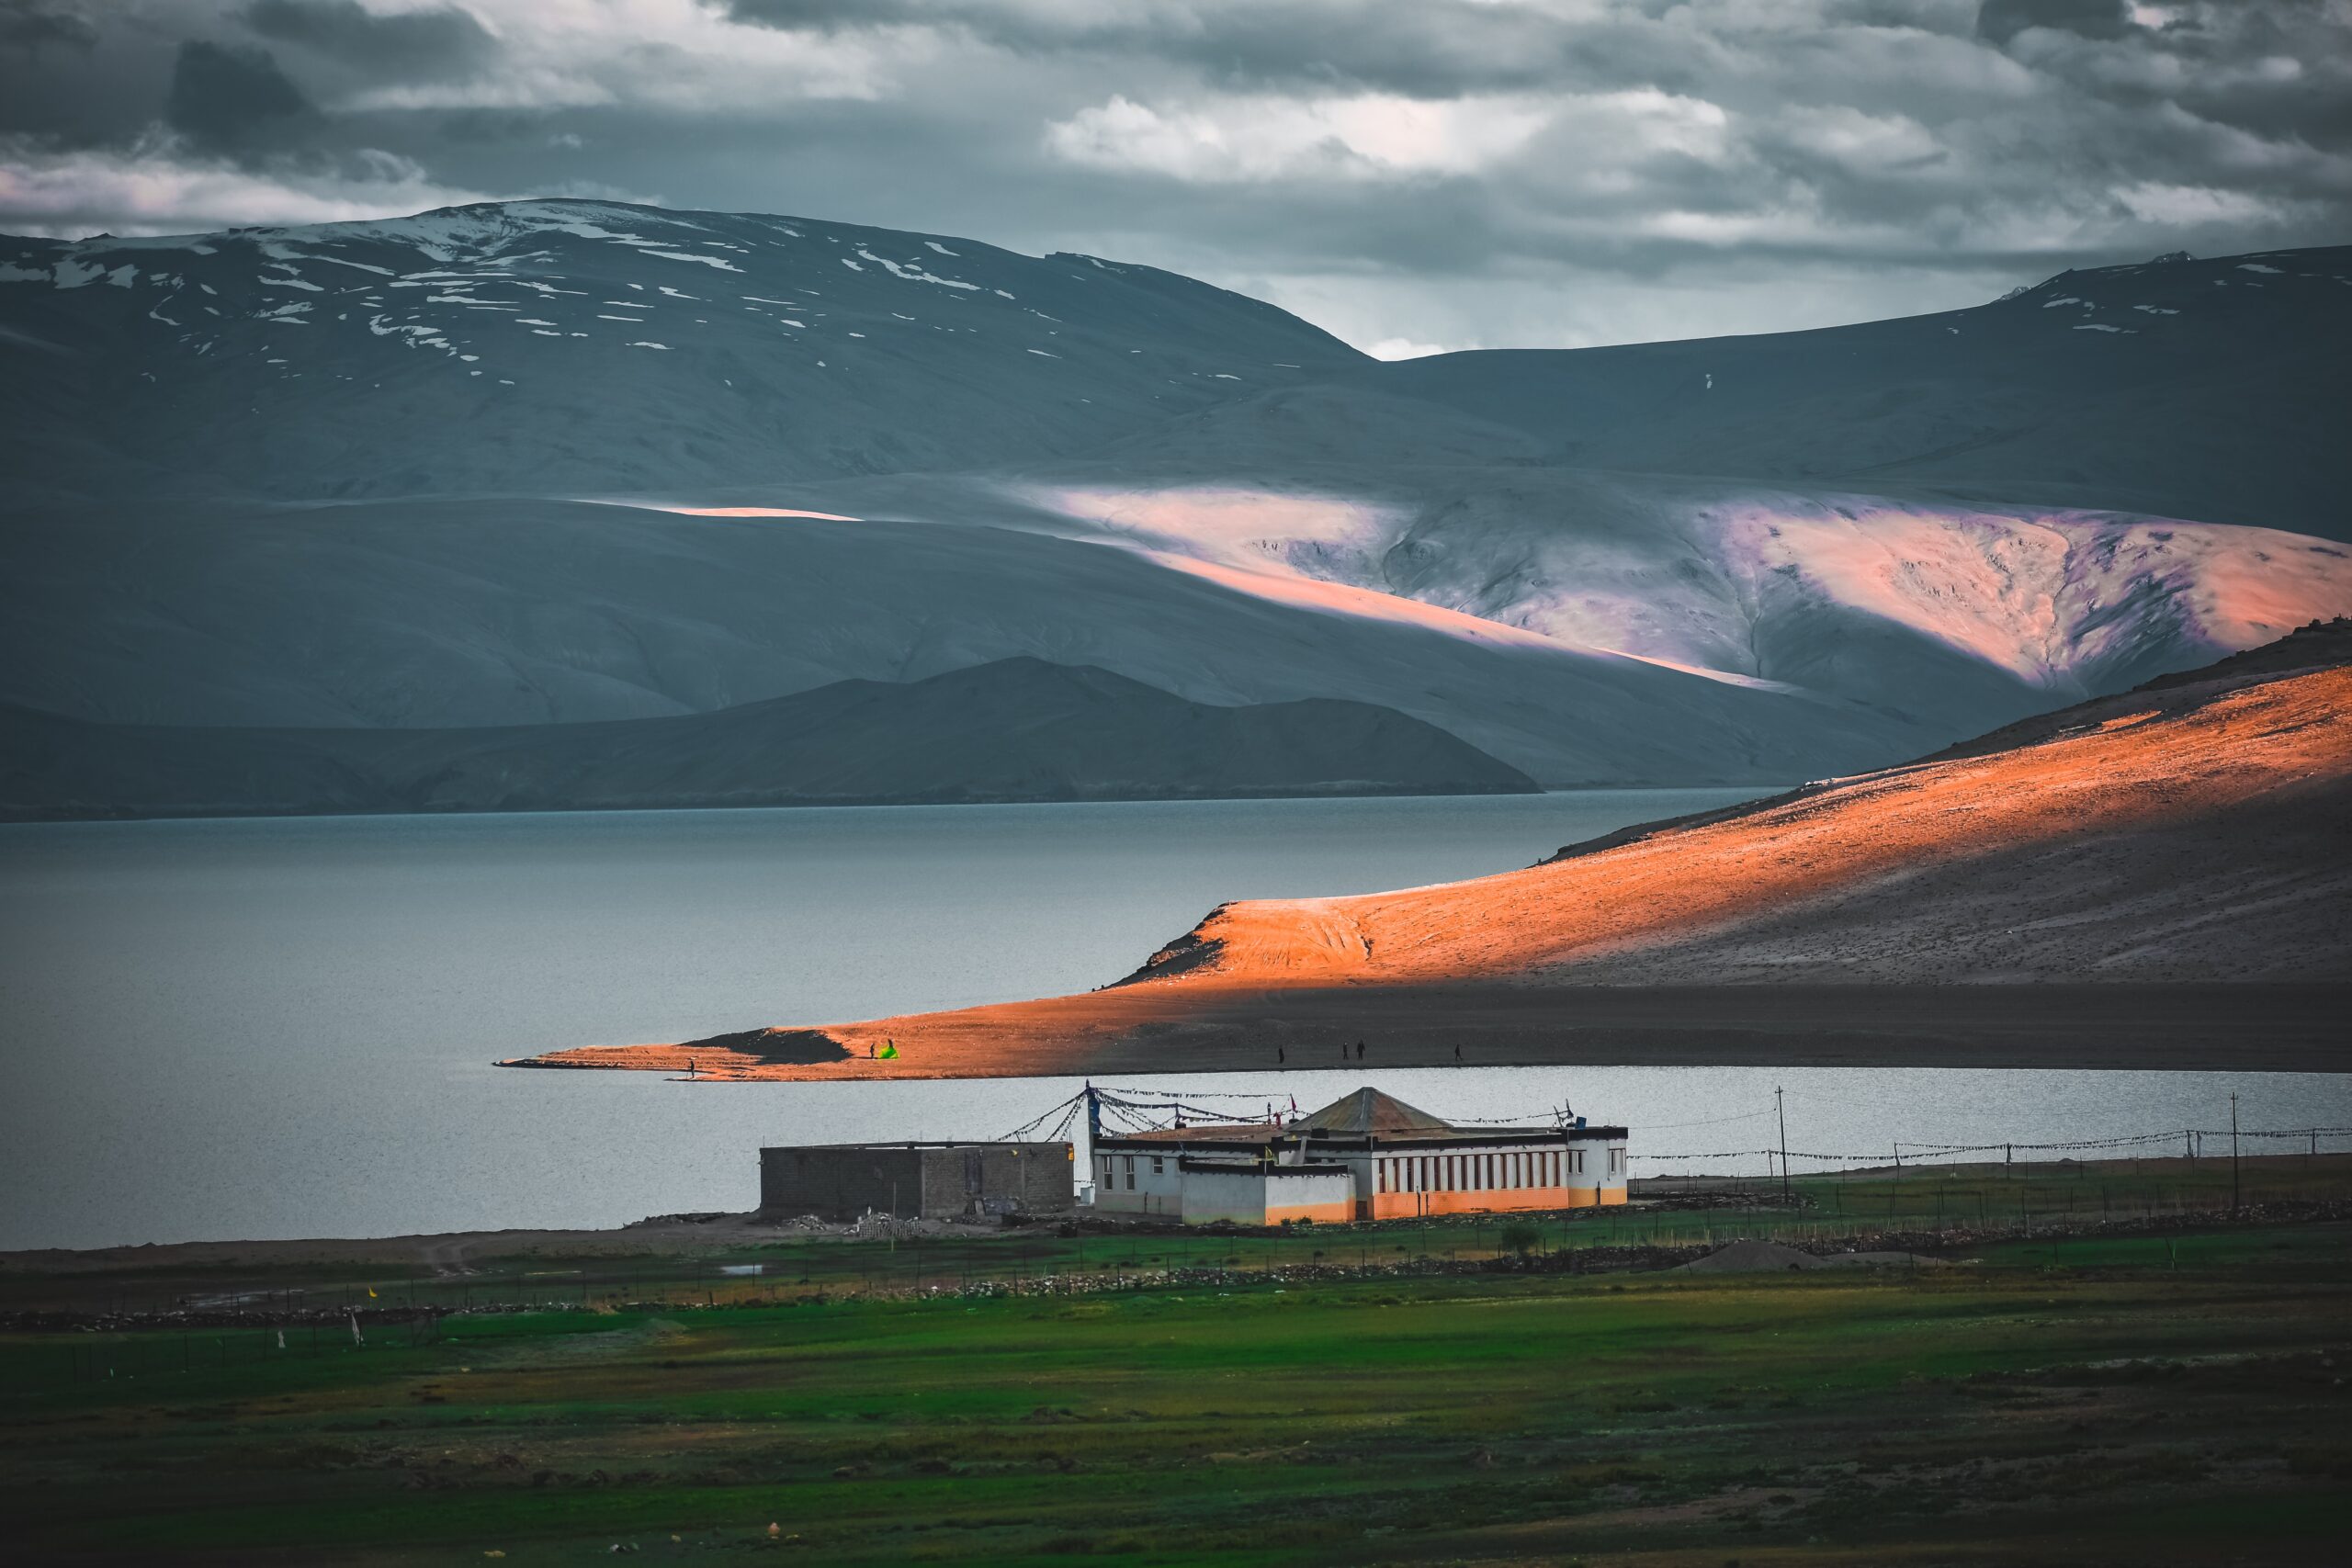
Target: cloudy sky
{"x":1410,"y":174}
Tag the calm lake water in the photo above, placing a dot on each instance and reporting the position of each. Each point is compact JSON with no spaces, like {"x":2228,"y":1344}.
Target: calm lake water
{"x":284,"y":1028}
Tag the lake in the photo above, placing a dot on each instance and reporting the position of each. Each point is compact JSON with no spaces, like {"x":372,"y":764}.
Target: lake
{"x":284,"y":1028}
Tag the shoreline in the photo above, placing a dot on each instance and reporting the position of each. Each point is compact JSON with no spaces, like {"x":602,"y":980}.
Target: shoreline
{"x":451,"y":1256}
{"x":2249,"y":1026}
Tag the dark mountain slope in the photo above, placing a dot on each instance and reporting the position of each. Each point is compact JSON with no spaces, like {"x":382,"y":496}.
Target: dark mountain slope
{"x":1018,"y":730}
{"x":2213,"y":390}
{"x":445,"y":614}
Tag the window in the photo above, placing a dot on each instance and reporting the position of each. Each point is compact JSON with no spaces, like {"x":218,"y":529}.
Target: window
{"x":1575,"y":1161}
{"x":1156,"y":1166}
{"x":1380,"y":1175}
{"x":1131,"y":1173}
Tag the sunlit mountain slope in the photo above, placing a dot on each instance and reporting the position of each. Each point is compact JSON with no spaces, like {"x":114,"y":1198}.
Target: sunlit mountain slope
{"x":2165,"y":874}
{"x":344,"y":475}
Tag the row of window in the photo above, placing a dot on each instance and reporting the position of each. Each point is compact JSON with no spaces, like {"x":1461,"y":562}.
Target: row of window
{"x":1481,"y":1173}
{"x":1428,"y":1173}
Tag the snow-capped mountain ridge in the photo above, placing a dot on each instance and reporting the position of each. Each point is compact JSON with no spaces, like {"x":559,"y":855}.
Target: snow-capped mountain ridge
{"x":1737,"y":560}
{"x":514,"y":346}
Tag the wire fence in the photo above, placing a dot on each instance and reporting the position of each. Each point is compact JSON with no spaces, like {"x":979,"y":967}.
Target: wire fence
{"x":1132,"y":1109}
{"x":2179,"y":1142}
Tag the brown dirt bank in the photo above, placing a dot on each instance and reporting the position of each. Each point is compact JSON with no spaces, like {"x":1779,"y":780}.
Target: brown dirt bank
{"x":2287,"y":1027}
{"x":2159,"y":879}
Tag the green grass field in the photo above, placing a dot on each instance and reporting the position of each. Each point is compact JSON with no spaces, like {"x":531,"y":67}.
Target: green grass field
{"x":2125,"y":1399}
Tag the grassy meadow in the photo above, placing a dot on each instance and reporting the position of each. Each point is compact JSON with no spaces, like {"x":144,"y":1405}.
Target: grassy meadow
{"x":2126,"y":1398}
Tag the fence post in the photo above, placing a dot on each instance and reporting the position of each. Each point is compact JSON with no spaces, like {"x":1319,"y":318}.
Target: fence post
{"x":2233,"y":1153}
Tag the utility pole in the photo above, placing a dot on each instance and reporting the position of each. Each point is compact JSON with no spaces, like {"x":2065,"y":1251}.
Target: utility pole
{"x":2233,"y":1152}
{"x":1781,"y":1110}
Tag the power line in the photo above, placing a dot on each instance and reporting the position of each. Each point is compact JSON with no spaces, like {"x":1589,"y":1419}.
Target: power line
{"x":1708,"y":1122}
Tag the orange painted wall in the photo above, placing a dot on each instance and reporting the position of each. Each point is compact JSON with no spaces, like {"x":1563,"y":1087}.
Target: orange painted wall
{"x":1492,"y":1201}
{"x":1321,"y":1214}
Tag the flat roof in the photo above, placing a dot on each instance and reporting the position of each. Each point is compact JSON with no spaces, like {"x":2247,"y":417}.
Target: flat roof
{"x":1260,"y":1134}
{"x":880,"y":1145}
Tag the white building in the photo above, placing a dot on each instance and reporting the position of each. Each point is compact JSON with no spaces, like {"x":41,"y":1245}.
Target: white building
{"x":1366,"y":1156}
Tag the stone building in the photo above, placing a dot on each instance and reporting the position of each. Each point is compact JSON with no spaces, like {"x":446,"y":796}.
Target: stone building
{"x":917,"y":1180}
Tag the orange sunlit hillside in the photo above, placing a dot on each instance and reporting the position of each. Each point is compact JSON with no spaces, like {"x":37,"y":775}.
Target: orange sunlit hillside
{"x":2196,"y":833}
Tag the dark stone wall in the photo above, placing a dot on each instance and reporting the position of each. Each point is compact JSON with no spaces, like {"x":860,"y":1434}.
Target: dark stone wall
{"x":842,"y":1183}
{"x":992,"y":1179}
{"x":974,"y":1179}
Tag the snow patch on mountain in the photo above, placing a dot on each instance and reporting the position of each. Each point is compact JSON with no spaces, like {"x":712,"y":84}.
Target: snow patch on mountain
{"x":1735,"y":585}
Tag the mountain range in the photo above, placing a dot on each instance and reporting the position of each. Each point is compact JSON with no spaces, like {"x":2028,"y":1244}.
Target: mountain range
{"x":1014,"y":730}
{"x":571,"y":463}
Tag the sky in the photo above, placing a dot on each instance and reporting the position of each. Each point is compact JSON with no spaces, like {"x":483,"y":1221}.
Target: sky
{"x":1412,"y":174}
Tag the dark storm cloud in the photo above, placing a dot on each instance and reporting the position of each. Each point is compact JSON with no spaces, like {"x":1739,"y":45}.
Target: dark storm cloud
{"x":32,"y":25}
{"x":1430,"y":49}
{"x":228,"y":95}
{"x":437,"y":45}
{"x":1437,"y":169}
{"x":2002,"y":20}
